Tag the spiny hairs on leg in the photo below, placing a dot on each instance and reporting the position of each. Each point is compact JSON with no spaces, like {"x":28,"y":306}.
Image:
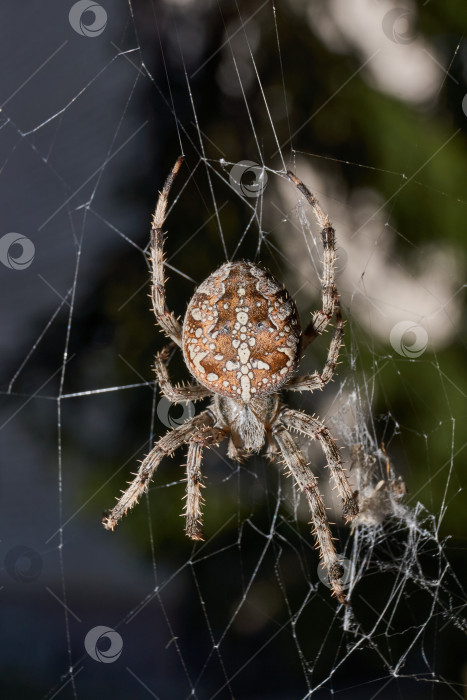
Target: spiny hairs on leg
{"x":161,"y":207}
{"x":318,"y":380}
{"x":170,"y":442}
{"x":182,"y":393}
{"x":194,"y":499}
{"x":166,"y":319}
{"x":315,"y":429}
{"x":322,"y":218}
{"x":330,"y":297}
{"x":308,"y":483}
{"x":204,"y":438}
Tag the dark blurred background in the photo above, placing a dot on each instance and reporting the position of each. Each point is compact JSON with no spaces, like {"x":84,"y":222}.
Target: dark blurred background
{"x":367,"y":101}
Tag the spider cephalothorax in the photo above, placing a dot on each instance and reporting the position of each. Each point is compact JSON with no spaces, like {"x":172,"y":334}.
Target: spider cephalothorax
{"x":241,"y":339}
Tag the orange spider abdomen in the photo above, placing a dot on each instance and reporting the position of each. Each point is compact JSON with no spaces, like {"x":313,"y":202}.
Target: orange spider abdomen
{"x":241,"y":332}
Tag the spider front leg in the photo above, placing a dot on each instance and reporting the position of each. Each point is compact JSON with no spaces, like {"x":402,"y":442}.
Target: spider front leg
{"x":330,"y":297}
{"x":165,"y":446}
{"x":176,"y":394}
{"x":308,"y":483}
{"x":166,"y":319}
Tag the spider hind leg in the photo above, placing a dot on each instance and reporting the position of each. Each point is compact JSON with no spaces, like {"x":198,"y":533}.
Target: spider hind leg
{"x":308,"y":483}
{"x":195,"y":428}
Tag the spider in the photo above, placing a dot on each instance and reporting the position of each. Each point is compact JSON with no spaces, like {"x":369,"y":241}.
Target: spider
{"x":241,"y":340}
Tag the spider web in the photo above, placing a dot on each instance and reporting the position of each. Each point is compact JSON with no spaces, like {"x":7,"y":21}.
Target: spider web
{"x":100,"y":100}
